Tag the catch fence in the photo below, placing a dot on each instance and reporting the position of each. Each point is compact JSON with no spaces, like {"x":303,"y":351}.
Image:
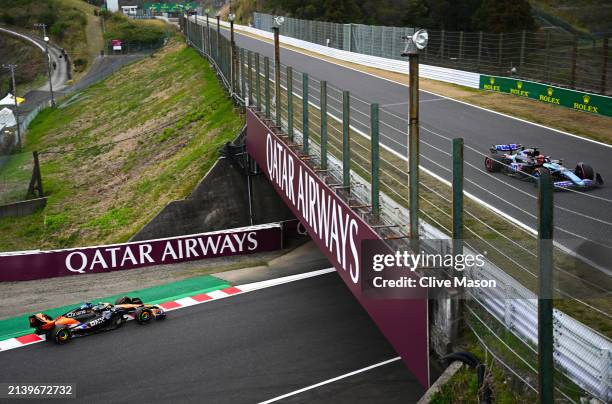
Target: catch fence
{"x":335,"y":129}
{"x":546,"y":56}
{"x":19,"y":175}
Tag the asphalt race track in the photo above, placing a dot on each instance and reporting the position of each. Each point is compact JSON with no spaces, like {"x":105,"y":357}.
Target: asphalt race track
{"x":244,"y":349}
{"x":577,"y":216}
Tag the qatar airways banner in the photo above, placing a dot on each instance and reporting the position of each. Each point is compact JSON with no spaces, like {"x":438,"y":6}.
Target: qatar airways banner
{"x":339,"y":233}
{"x":90,"y":260}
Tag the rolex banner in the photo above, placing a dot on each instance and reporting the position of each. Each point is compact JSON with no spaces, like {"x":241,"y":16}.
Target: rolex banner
{"x":592,"y":103}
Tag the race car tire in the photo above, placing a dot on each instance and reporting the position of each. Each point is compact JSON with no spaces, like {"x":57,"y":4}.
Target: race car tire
{"x":492,"y":165}
{"x":117,"y":322}
{"x":143,"y":315}
{"x":584,"y":171}
{"x":61,"y":335}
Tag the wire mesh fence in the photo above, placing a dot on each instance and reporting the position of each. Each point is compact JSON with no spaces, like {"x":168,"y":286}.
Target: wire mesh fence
{"x":15,"y":177}
{"x":320,"y":120}
{"x":545,"y":56}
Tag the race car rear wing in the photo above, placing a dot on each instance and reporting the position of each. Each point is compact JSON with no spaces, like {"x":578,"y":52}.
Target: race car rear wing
{"x":508,"y":147}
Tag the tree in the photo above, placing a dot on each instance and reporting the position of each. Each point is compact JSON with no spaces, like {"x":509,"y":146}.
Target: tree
{"x":504,"y":16}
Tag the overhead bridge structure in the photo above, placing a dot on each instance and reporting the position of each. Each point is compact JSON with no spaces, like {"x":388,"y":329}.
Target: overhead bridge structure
{"x":332,"y":141}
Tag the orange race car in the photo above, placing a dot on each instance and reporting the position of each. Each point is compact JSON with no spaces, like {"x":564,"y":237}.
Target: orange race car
{"x":92,"y":318}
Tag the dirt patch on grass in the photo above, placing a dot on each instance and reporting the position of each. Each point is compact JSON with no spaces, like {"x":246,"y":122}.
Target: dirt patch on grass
{"x":124,"y":149}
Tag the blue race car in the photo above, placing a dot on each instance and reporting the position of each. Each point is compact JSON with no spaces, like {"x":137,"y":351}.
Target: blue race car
{"x":525,"y":163}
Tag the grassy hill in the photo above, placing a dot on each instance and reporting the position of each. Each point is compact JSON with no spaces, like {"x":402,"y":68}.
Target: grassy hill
{"x":71,"y":24}
{"x":120,"y":151}
{"x":30,"y":60}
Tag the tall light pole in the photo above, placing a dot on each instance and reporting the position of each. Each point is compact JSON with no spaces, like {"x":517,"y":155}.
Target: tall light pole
{"x":415,"y":43}
{"x":278,"y":21}
{"x":46,"y":39}
{"x":12,"y":68}
{"x":231,"y":17}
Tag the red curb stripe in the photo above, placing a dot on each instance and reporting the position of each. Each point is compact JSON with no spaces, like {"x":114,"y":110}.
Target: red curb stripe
{"x":28,"y":339}
{"x":201,"y":297}
{"x":231,"y":290}
{"x":170,"y":305}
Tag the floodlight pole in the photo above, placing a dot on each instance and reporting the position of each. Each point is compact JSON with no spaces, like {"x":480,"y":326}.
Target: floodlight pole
{"x":44,"y":28}
{"x":277,"y":74}
{"x":413,"y":140}
{"x":232,"y":58}
{"x":12,"y":67}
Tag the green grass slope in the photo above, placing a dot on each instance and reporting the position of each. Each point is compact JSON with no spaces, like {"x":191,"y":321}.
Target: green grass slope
{"x":123,"y":149}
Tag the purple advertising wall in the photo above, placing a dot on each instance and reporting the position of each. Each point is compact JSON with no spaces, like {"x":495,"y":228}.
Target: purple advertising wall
{"x":90,"y":260}
{"x":338,"y":231}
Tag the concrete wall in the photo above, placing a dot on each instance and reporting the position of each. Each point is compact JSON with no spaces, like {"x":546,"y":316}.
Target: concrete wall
{"x":22,"y":208}
{"x":220,"y":201}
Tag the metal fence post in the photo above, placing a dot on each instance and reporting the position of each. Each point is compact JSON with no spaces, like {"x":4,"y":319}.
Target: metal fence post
{"x":289,"y":102}
{"x":277,"y":77}
{"x":457,"y":196}
{"x":250,"y":76}
{"x":267,"y":85}
{"x":202,"y":39}
{"x":574,"y":55}
{"x":522,"y":57}
{"x":545,"y":283}
{"x":218,"y":37}
{"x":374,"y":150}
{"x":460,"y":45}
{"x":479,"y":49}
{"x":346,"y":140}
{"x":548,"y":56}
{"x":604,"y":66}
{"x":323,"y":96}
{"x":208,"y":38}
{"x":305,"y":129}
{"x":241,"y":63}
{"x":232,"y":66}
{"x":500,"y":52}
{"x":258,"y":81}
{"x":442,"y":44}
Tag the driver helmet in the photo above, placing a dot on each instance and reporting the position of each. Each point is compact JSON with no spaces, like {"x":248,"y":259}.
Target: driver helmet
{"x":99,"y":306}
{"x":86,"y":306}
{"x":541,"y":159}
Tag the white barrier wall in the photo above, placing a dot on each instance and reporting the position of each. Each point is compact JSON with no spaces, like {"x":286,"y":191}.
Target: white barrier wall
{"x":444,"y":74}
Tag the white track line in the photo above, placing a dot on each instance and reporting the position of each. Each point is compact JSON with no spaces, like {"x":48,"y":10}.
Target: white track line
{"x":184,"y":302}
{"x":344,"y":376}
{"x":329,"y":59}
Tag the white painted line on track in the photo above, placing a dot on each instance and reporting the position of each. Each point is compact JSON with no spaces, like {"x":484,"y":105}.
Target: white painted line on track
{"x":344,"y":376}
{"x":29,"y":339}
{"x":248,"y":287}
{"x":329,"y":60}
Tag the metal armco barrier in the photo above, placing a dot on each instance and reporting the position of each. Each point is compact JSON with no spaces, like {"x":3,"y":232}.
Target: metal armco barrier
{"x":549,"y":56}
{"x":453,"y":76}
{"x":28,"y":265}
{"x":579,"y":100}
